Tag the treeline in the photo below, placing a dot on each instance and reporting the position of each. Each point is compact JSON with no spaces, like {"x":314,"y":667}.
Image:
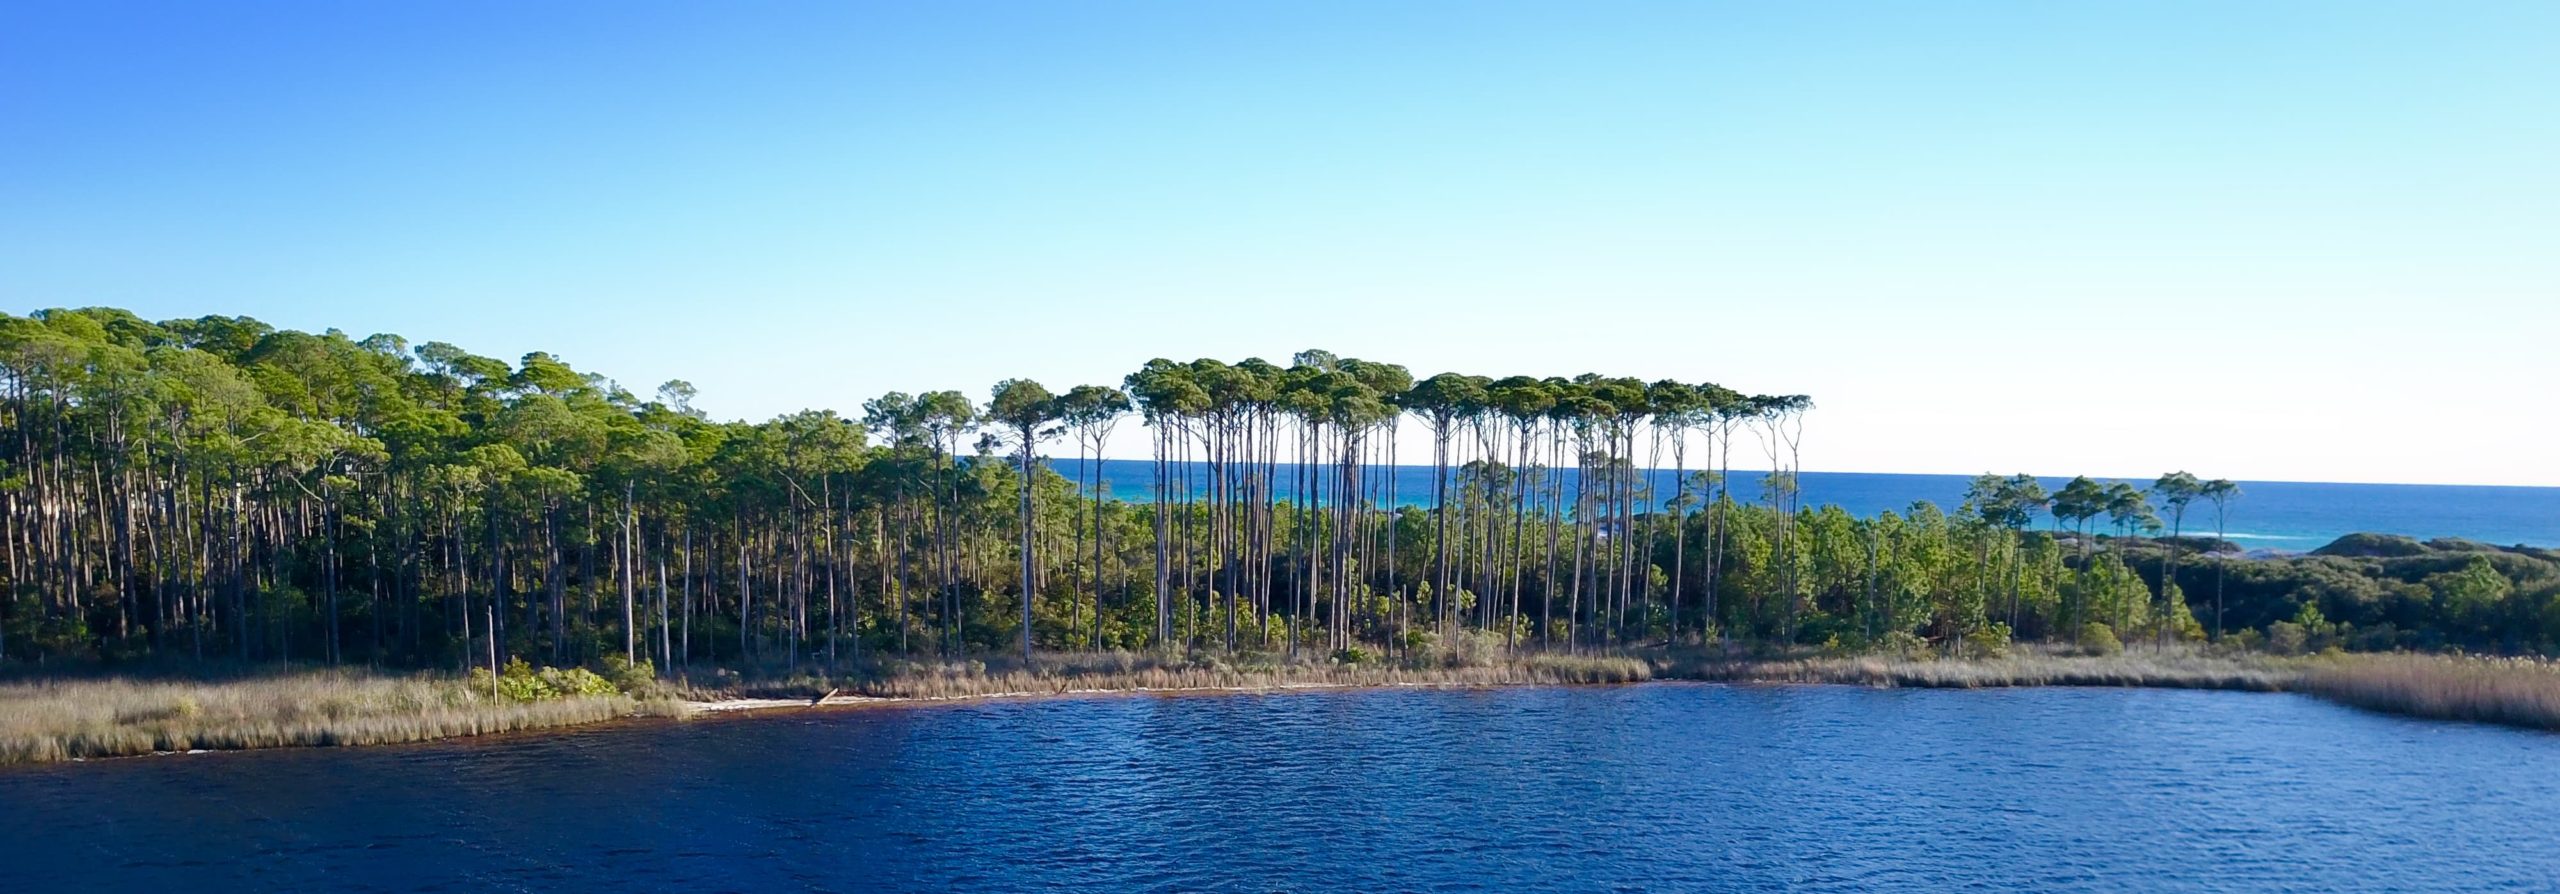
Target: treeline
{"x":217,"y":489}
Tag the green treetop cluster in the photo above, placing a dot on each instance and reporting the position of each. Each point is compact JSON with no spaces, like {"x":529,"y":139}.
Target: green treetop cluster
{"x":219,"y":490}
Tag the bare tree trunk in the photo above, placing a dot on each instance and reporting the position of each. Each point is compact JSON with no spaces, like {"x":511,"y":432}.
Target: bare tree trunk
{"x":629,"y":557}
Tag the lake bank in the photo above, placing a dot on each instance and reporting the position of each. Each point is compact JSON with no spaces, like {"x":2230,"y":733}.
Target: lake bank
{"x":947,"y":685}
{"x":56,"y":720}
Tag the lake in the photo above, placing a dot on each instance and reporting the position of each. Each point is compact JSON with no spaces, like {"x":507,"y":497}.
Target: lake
{"x":2290,"y":516}
{"x":1655,"y":787}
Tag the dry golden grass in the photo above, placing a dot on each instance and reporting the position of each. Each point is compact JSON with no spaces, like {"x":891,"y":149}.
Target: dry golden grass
{"x":73,"y":719}
{"x":2170,"y":670}
{"x":1116,"y":672}
{"x":2512,"y":691}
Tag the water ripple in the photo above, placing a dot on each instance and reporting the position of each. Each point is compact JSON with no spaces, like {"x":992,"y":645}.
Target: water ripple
{"x":1665,"y":787}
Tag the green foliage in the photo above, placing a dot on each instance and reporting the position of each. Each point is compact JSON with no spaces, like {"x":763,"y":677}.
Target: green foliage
{"x":2286,"y":638}
{"x":1988,"y":641}
{"x":632,"y":677}
{"x":575,"y":681}
{"x":386,"y":504}
{"x":2178,"y":621}
{"x":1468,"y":648}
{"x":2099,"y":639}
{"x":2472,"y":593}
{"x":2309,"y":630}
{"x":1903,"y":643}
{"x":2373,"y":546}
{"x":518,"y":681}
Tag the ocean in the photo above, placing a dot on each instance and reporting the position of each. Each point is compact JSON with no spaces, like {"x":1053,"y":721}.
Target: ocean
{"x":2287,"y":516}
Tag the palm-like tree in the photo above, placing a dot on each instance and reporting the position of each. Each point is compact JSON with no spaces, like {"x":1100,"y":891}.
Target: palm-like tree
{"x":1028,"y":409}
{"x":2174,"y":491}
{"x":2079,"y":501}
{"x":1678,"y":410}
{"x":1092,"y":411}
{"x":1368,"y":407}
{"x":1441,"y":401}
{"x":1521,"y":401}
{"x":1168,"y":397}
{"x":275,"y":465}
{"x":2128,"y":508}
{"x":2220,"y":492}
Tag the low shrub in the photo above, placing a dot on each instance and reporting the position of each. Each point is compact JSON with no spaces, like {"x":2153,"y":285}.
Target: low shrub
{"x":1903,"y":644}
{"x":2287,"y":638}
{"x":520,"y":682}
{"x":2100,"y":639}
{"x":632,"y":677}
{"x":1988,"y":641}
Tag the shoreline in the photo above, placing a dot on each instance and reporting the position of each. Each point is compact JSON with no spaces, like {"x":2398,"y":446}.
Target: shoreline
{"x":1867,"y":672}
{"x":2515,"y":693}
{"x":752,"y":706}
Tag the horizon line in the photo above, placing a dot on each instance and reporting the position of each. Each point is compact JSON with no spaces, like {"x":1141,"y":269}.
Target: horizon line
{"x":2129,"y":478}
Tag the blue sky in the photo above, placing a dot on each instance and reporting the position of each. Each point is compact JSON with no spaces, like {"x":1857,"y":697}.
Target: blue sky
{"x":2302,"y":241}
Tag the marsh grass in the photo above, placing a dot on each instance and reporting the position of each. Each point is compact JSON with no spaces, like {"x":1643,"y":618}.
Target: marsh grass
{"x":1134,"y":672}
{"x":79,"y":718}
{"x":91,"y":718}
{"x":2521,"y":692}
{"x":2166,"y":670}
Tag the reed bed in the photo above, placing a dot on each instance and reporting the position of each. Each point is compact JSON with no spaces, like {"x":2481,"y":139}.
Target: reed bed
{"x":78,"y":719}
{"x":1119,"y":672}
{"x":2521,"y":692}
{"x":2170,"y":670}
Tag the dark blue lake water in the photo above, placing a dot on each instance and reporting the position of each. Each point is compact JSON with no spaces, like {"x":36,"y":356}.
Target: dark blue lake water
{"x":1658,"y":787}
{"x":2279,"y":515}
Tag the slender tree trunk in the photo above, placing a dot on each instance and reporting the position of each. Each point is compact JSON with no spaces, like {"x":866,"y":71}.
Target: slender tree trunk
{"x":1029,"y":591}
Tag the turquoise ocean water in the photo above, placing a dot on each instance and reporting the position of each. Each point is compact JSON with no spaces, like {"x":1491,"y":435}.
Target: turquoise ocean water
{"x":2275,"y":515}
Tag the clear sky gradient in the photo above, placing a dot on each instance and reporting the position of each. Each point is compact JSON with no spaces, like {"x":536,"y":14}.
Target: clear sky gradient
{"x":2303,"y":241}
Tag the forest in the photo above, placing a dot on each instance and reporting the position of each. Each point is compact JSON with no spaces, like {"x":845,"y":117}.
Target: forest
{"x":216,"y":490}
